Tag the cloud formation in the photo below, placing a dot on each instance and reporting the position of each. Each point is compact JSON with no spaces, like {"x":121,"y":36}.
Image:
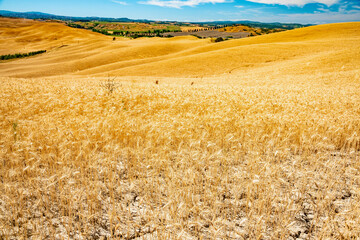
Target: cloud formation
{"x":320,"y":18}
{"x":119,"y":2}
{"x":299,"y":3}
{"x":182,"y":3}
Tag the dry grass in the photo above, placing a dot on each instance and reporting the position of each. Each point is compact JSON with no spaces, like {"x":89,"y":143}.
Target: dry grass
{"x":264,"y":151}
{"x":84,"y":53}
{"x":233,"y":159}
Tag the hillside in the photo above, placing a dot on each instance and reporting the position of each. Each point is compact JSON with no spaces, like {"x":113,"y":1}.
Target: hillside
{"x":253,"y":31}
{"x":46,"y":16}
{"x":181,"y":138}
{"x":80,"y":52}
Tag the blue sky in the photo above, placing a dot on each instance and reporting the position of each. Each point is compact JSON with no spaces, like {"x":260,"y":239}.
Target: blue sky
{"x":299,"y":11}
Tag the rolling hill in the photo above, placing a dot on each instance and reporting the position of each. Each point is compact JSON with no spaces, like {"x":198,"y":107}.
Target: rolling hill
{"x":80,"y":52}
{"x":40,"y":15}
{"x":181,"y":138}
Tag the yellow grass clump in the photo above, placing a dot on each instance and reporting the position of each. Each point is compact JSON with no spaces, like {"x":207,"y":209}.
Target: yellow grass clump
{"x":270,"y":151}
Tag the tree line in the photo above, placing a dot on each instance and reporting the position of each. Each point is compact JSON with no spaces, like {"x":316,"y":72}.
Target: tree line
{"x":149,"y":33}
{"x":205,"y":29}
{"x":20,"y":55}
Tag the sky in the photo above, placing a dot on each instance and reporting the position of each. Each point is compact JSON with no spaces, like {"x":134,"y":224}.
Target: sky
{"x":286,"y":11}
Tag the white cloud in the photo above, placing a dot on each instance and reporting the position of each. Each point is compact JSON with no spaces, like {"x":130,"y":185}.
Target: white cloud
{"x":299,"y":3}
{"x":319,"y":18}
{"x":313,"y":18}
{"x":182,"y":3}
{"x":323,"y":15}
{"x":321,"y":9}
{"x":119,"y":2}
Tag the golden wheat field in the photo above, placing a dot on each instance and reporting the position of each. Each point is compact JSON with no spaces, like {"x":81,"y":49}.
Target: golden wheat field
{"x":180,"y":138}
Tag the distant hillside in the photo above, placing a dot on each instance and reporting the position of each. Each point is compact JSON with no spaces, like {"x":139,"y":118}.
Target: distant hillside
{"x":40,"y":15}
{"x":329,"y":47}
{"x":253,"y":31}
{"x":253,"y":24}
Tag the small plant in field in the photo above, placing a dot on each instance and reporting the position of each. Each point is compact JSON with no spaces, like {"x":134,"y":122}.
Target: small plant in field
{"x":14,"y":126}
{"x":109,"y":85}
{"x":215,"y":40}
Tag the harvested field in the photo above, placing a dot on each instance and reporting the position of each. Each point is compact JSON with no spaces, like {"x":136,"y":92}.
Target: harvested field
{"x":128,"y":26}
{"x":210,"y":34}
{"x":191,"y":28}
{"x":252,"y":31}
{"x":180,"y":138}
